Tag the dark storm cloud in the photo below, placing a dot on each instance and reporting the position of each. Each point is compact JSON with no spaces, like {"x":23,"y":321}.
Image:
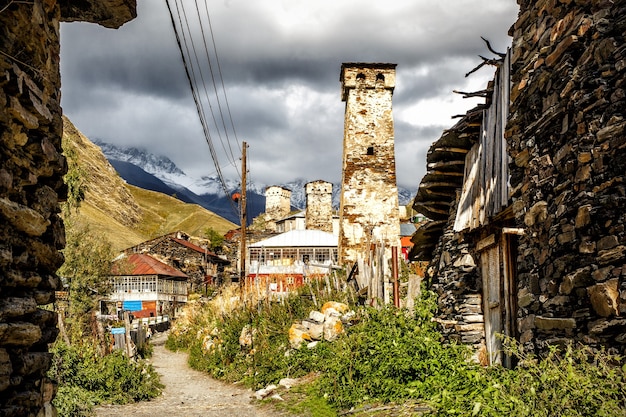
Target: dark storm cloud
{"x":280,"y":61}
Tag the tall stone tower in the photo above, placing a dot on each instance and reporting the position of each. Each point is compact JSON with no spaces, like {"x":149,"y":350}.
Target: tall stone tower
{"x":277,"y":205}
{"x":369,"y":195}
{"x":319,"y":206}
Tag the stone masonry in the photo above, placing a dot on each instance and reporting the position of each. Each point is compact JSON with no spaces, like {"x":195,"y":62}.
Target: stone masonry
{"x":31,"y":187}
{"x":277,"y":205}
{"x":319,"y":206}
{"x":567,"y":137}
{"x":566,"y":142}
{"x":369,"y":211}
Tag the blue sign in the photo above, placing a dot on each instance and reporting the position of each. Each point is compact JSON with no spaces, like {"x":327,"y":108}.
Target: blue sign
{"x":132,"y":305}
{"x":118,"y":330}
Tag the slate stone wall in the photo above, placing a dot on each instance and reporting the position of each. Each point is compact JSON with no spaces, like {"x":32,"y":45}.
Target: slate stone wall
{"x":566,"y":135}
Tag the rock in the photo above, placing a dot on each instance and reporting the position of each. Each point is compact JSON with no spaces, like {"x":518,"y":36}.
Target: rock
{"x":604,"y":297}
{"x":298,"y":335}
{"x":312,"y":345}
{"x":332,"y":328}
{"x":288,"y":382}
{"x":265,"y":392}
{"x":550,"y":323}
{"x":339,"y":307}
{"x":316,"y":316}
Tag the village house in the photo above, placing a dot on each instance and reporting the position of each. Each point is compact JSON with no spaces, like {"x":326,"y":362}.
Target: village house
{"x":525,"y":194}
{"x":202,"y":266}
{"x":146,"y":287}
{"x":290,"y":259}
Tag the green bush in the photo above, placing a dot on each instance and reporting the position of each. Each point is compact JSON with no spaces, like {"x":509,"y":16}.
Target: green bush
{"x":86,"y":379}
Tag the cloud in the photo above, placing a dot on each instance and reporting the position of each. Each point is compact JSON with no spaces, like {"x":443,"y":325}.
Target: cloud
{"x":280,"y":62}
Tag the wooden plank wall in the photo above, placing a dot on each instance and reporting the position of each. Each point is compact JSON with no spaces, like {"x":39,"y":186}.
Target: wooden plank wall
{"x":485,"y":186}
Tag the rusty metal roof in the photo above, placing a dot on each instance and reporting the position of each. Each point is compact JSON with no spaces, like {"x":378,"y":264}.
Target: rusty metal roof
{"x":142,"y":264}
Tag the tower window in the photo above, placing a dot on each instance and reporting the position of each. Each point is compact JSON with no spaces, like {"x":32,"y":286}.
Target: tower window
{"x":370,"y":150}
{"x":360,"y":77}
{"x":380,"y":77}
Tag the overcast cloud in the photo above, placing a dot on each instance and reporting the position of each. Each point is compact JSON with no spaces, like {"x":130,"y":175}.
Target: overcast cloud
{"x":280,"y":62}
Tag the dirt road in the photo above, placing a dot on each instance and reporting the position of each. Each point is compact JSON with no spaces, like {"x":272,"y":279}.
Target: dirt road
{"x":189,"y":393}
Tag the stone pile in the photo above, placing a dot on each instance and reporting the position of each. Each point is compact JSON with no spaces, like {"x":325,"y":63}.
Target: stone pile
{"x":326,"y":324}
{"x":566,"y":136}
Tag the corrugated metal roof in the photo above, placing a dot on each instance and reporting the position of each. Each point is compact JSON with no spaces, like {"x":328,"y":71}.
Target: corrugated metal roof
{"x":142,"y":264}
{"x":299,"y":238}
{"x":407,"y":229}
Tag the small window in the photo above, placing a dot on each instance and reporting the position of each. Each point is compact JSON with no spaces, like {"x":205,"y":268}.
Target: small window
{"x":370,"y":150}
{"x":380,"y":77}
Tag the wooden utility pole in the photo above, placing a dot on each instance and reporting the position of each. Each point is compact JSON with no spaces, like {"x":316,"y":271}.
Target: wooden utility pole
{"x":244,"y":220}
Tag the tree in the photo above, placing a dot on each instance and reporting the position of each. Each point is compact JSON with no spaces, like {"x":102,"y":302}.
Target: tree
{"x":87,"y":267}
{"x":215,"y":238}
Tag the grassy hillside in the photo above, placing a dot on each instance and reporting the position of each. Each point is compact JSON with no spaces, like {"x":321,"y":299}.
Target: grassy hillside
{"x":123,"y":214}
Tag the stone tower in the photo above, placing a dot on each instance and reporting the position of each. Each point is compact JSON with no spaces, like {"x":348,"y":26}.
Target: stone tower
{"x":319,"y":206}
{"x":277,"y":205}
{"x":369,"y":194}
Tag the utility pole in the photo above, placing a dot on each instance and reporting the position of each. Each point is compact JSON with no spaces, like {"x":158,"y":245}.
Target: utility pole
{"x":242,"y":276}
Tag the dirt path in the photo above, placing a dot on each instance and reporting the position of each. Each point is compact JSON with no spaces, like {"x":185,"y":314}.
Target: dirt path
{"x":189,"y":393}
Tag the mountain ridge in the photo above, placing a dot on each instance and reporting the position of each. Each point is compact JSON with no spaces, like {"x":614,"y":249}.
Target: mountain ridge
{"x":123,"y":214}
{"x":206,"y":191}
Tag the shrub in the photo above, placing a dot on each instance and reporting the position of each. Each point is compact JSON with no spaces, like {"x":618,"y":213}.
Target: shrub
{"x":87,"y":379}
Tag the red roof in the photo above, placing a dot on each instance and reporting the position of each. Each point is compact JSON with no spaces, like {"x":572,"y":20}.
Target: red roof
{"x":142,"y":264}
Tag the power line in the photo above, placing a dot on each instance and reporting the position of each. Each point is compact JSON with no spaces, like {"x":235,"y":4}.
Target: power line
{"x":191,"y":78}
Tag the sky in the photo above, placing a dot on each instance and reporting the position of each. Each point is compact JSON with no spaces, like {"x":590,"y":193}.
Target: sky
{"x":280,"y":63}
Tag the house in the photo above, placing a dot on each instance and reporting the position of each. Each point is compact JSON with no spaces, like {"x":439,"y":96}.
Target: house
{"x":406,"y":234}
{"x":289,"y":259}
{"x":146,"y":286}
{"x":202,"y":266}
{"x":526,"y":192}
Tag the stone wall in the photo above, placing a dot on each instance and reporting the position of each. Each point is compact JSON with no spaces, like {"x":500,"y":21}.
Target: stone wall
{"x":566,"y":135}
{"x":456,"y":280}
{"x":31,"y":186}
{"x":369,"y":196}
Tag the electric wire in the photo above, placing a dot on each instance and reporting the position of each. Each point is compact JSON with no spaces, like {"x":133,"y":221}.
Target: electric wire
{"x":219,"y":69}
{"x":229,"y":151}
{"x":197,"y":101}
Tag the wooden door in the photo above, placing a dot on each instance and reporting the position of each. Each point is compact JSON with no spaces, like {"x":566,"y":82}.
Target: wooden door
{"x":497,"y":276}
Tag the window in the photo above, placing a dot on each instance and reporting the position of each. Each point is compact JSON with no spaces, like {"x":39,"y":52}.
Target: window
{"x":370,"y":150}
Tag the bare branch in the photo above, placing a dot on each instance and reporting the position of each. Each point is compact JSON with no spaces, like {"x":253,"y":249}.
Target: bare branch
{"x":481,"y":93}
{"x":486,"y":61}
{"x":500,"y":54}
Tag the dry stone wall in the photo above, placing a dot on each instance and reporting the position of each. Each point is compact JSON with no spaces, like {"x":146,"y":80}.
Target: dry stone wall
{"x":31,"y":186}
{"x":566,"y":135}
{"x":457,"y":282}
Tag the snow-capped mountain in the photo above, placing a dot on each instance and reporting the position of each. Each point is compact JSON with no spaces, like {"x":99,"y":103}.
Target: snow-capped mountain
{"x":158,"y":173}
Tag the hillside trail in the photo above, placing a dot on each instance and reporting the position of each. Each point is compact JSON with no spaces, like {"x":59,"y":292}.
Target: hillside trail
{"x":189,"y":393}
